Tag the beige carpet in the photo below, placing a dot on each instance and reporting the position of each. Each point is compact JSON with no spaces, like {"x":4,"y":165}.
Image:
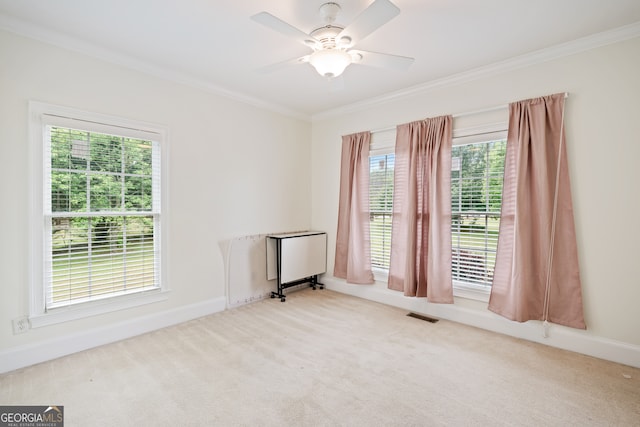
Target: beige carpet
{"x":326,"y":359}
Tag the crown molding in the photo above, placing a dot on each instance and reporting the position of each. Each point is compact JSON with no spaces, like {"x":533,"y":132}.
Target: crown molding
{"x":25,"y":29}
{"x":536,"y":57}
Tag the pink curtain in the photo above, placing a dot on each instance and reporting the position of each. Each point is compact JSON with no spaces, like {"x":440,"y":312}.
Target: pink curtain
{"x":536,"y":274}
{"x":420,"y":262}
{"x":353,"y":252}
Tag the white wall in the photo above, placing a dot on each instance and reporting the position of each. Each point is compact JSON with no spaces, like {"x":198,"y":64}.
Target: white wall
{"x":233,"y":170}
{"x":603,"y":136}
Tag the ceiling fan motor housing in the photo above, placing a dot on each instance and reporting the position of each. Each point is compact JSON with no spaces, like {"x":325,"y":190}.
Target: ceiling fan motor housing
{"x":327,"y":35}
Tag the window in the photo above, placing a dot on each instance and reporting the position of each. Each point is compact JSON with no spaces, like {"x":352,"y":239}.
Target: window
{"x":380,"y":208}
{"x":381,"y":164}
{"x":477,"y":171}
{"x":99,"y":200}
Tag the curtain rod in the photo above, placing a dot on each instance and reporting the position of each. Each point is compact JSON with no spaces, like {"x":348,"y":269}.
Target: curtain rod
{"x":466,"y":113}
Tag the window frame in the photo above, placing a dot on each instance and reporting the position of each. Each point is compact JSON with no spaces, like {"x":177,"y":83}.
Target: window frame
{"x":42,"y":115}
{"x":474,"y":135}
{"x":382,"y":143}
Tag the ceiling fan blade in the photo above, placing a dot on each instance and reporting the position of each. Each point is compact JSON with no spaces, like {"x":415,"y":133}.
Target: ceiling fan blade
{"x":381,"y":60}
{"x":277,"y":24}
{"x":279,"y":65}
{"x":373,"y":17}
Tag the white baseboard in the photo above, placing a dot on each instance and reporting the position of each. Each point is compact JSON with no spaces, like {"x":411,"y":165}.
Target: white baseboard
{"x":20,"y":357}
{"x":558,"y":336}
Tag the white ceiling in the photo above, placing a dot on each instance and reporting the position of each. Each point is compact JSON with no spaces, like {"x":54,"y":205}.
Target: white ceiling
{"x":215,"y":44}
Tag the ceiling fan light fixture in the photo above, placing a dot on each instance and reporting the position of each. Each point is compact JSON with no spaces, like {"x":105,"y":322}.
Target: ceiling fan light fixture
{"x":330,"y":62}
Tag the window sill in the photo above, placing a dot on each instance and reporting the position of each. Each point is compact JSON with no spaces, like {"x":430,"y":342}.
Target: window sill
{"x":460,"y":289}
{"x":380,"y":275}
{"x":81,"y":311}
{"x":471,"y":291}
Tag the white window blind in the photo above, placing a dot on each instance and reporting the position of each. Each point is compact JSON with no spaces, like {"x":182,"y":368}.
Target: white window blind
{"x":381,"y":169}
{"x":477,"y":171}
{"x":101,"y":203}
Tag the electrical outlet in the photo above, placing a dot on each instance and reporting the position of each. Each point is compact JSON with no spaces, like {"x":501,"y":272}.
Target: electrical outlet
{"x":21,"y":325}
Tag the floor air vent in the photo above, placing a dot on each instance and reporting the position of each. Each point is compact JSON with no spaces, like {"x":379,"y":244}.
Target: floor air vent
{"x":421,"y":317}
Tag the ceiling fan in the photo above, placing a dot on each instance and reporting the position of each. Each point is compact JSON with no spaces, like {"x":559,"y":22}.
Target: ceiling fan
{"x":332,"y":44}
